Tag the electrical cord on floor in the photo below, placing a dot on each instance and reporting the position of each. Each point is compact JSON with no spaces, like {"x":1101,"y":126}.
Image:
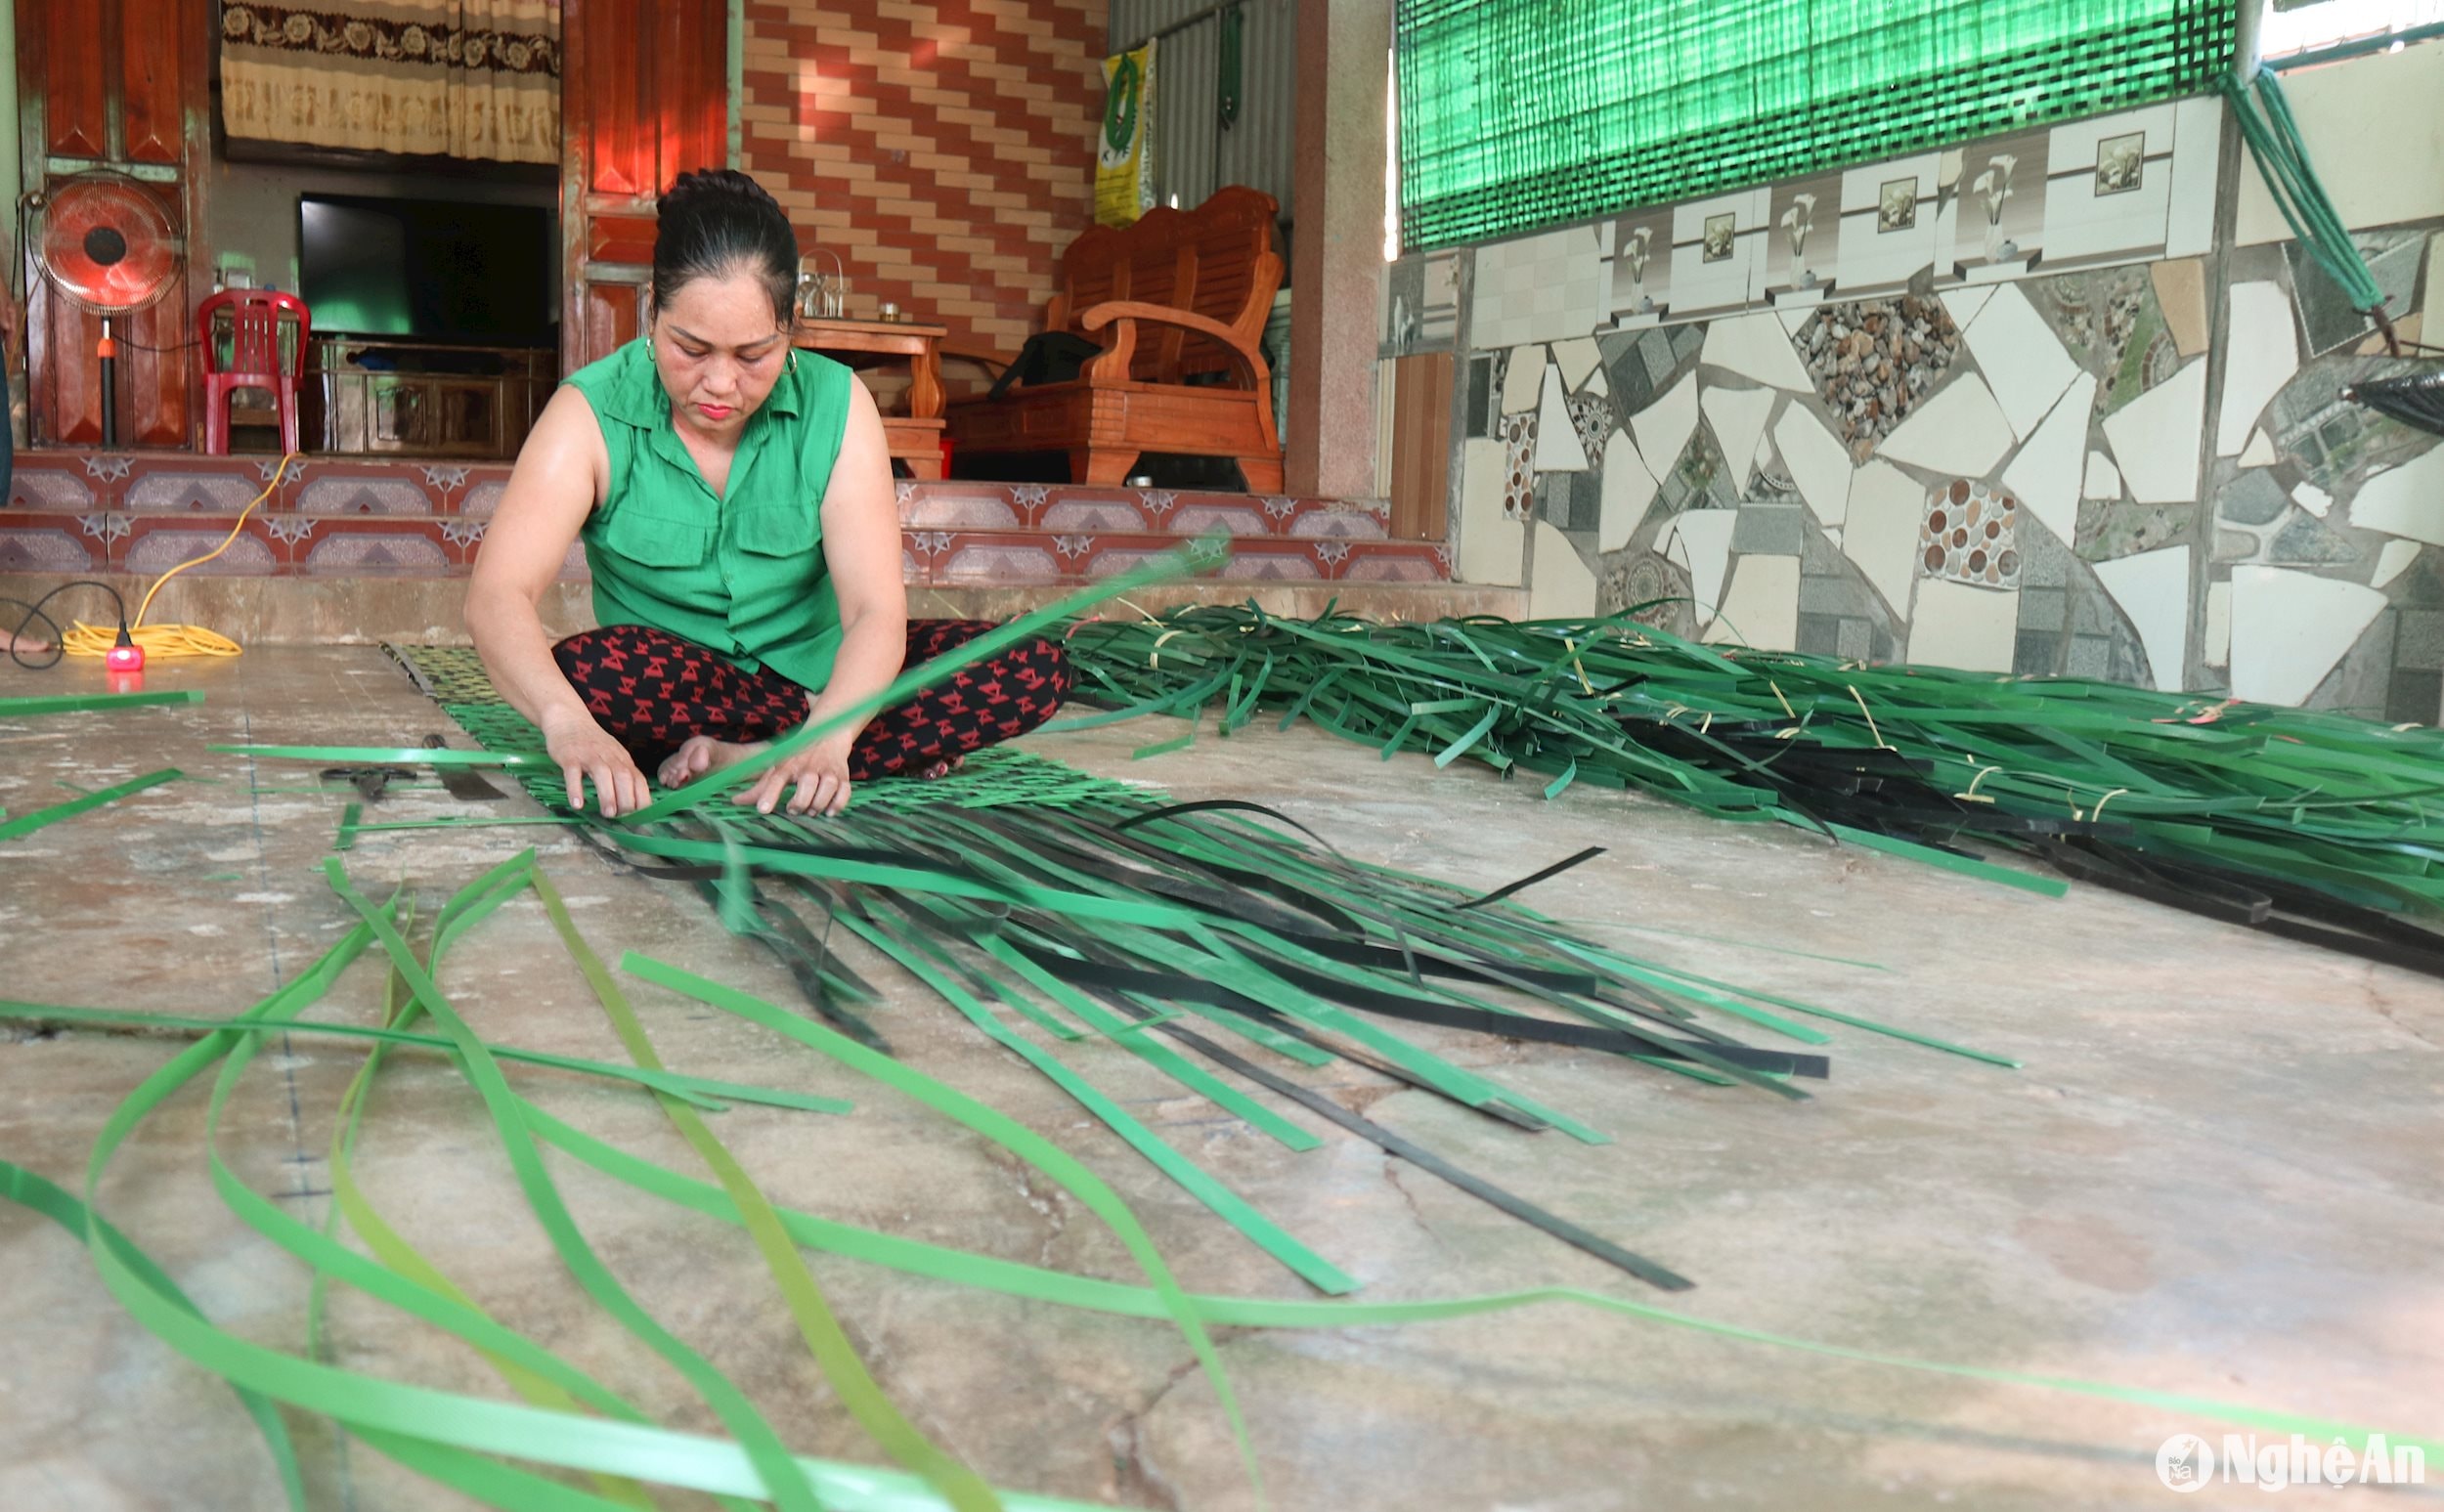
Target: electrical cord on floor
{"x":18,"y":643}
{"x":82,"y":639}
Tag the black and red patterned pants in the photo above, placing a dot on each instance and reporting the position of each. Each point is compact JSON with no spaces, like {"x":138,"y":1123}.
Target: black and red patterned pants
{"x":651,"y":690}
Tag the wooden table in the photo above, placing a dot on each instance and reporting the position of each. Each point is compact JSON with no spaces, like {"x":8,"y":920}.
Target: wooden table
{"x":915,"y":438}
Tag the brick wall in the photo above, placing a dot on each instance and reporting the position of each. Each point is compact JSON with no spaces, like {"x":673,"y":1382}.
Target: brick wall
{"x":943,"y":147}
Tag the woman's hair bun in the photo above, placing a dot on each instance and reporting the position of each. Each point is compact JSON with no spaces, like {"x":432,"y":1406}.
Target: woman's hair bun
{"x":718,"y":221}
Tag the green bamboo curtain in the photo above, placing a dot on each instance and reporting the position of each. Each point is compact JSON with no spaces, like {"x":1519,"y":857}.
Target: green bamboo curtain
{"x":1520,"y":113}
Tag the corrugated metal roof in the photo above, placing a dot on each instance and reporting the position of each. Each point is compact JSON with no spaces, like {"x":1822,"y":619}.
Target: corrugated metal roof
{"x":1194,"y":154}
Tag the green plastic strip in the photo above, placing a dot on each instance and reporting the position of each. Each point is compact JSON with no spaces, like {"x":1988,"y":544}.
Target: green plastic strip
{"x":1015,"y":1136}
{"x":55,"y":1202}
{"x":781,"y":1477}
{"x":962,"y":1487}
{"x":509,"y":1352}
{"x":27,"y":824}
{"x":442,"y":1420}
{"x":93,"y":703}
{"x":1016,"y":1278}
{"x":387,"y":756}
{"x":702,"y":1092}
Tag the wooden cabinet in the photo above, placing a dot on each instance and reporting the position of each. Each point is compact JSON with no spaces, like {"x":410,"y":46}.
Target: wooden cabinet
{"x":407,"y":398}
{"x":118,"y":85}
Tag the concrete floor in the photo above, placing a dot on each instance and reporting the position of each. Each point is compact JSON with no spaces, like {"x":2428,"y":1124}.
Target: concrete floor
{"x":2217,"y":1173}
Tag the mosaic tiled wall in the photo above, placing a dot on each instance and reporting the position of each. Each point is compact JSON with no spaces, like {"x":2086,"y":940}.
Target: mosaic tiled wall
{"x":2059,"y":404}
{"x":943,"y":147}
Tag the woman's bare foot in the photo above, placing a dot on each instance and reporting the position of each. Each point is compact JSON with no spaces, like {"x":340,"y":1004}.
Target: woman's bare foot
{"x":703,"y":754}
{"x":943,"y":768}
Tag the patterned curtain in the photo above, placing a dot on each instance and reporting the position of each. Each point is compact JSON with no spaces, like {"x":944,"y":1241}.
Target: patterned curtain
{"x":456,"y":79}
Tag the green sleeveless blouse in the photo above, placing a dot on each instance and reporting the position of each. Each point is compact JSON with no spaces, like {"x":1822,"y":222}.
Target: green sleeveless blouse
{"x":741,"y":572}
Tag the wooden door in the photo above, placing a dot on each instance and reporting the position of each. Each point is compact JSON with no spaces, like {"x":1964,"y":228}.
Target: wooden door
{"x":643,"y":97}
{"x":1421,"y":442}
{"x":120,"y":85}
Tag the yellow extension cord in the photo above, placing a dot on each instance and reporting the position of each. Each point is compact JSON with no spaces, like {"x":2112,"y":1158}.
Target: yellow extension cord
{"x":158,"y":640}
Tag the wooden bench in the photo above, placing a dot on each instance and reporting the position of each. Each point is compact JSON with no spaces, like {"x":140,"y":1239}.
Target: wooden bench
{"x":1178,"y":302}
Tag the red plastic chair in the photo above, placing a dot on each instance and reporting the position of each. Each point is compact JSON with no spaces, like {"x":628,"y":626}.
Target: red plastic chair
{"x":255,"y":359}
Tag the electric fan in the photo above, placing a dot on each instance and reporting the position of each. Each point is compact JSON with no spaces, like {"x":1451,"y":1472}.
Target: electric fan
{"x":106,"y":244}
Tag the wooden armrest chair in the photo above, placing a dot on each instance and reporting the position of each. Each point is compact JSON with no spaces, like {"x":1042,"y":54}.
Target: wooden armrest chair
{"x":1178,"y":303}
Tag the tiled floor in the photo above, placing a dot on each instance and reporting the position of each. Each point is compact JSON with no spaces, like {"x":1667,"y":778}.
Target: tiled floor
{"x":2213,"y":1174}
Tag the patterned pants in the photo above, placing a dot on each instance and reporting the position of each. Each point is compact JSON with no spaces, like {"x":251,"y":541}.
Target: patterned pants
{"x":651,"y":690}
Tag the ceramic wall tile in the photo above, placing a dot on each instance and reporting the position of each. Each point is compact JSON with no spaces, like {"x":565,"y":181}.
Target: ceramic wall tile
{"x":1541,"y":287}
{"x":2049,"y":474}
{"x":1523,"y":380}
{"x":1755,"y":347}
{"x":1738,"y":418}
{"x":1965,"y":302}
{"x":2406,"y":500}
{"x":1874,"y":361}
{"x":2261,"y":355}
{"x":1663,"y":427}
{"x":153,"y":551}
{"x":1598,"y":384}
{"x":2181,"y":294}
{"x":1518,"y":442}
{"x":2196,"y":154}
{"x":2109,"y":186}
{"x":54,"y":546}
{"x":2312,"y":498}
{"x":2394,"y":561}
{"x":1802,"y":250}
{"x":2021,"y":357}
{"x":1717,"y":251}
{"x":2373,"y":121}
{"x":2259,"y":453}
{"x":1570,"y":500}
{"x":1701,"y":542}
{"x":1489,"y":532}
{"x":1640,"y":269}
{"x":1888,"y":224}
{"x":2155,"y":438}
{"x":49,"y":488}
{"x":1628,"y":492}
{"x":1992,"y":225}
{"x":1818,"y":464}
{"x":1761,"y":607}
{"x":2217,"y":648}
{"x":1591,"y":415}
{"x":1560,"y":586}
{"x":1887,"y":507}
{"x":1577,"y":358}
{"x":2153,"y":588}
{"x":1971,"y":534}
{"x":1771,"y":530}
{"x":1960,"y":431}
{"x":1557,"y":445}
{"x":2291,"y":629}
{"x":195,"y":490}
{"x":2102,"y":480}
{"x":1956,"y":626}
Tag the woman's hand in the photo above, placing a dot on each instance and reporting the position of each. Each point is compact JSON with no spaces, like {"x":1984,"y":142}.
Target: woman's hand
{"x":585,"y":753}
{"x":819,"y":773}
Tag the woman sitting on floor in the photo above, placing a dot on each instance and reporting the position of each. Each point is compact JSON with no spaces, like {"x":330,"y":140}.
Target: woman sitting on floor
{"x":736,"y":499}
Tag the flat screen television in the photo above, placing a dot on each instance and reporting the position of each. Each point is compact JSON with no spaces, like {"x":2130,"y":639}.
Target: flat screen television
{"x":427,"y":270}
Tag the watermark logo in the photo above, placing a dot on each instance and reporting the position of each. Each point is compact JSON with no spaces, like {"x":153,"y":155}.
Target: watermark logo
{"x":2187,"y":1462}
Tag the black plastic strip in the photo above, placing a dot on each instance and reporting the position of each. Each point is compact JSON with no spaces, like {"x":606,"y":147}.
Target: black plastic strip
{"x":1533,"y":877}
{"x":1391,"y":1144}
